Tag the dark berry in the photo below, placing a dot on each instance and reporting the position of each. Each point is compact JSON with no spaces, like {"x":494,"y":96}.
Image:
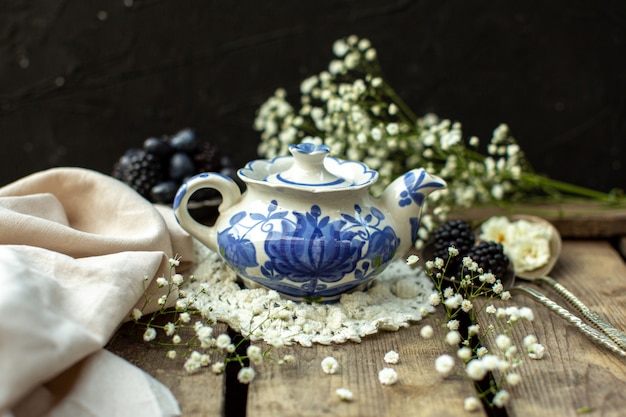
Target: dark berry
{"x":139,"y":169}
{"x":159,"y":147}
{"x":181,"y":166}
{"x":456,"y":233}
{"x":185,"y":141}
{"x":490,"y":257}
{"x":164,"y":192}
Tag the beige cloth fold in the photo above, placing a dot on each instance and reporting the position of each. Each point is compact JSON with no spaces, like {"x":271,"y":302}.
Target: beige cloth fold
{"x":74,"y":248}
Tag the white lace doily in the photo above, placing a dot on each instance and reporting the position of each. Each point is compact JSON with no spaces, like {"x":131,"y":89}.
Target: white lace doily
{"x":398,"y":297}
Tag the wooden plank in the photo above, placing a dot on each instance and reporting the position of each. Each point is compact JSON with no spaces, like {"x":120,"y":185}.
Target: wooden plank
{"x":199,"y":395}
{"x":302,"y":389}
{"x":572,"y":219}
{"x":576,"y":374}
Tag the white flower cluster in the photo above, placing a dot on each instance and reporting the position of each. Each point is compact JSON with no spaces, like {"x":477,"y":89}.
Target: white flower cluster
{"x":360,"y":117}
{"x":459,"y":298}
{"x":200,"y":334}
{"x":526,"y":243}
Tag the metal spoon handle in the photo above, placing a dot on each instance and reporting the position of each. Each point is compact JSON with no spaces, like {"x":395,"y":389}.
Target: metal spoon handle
{"x":589,"y":331}
{"x":594,"y":318}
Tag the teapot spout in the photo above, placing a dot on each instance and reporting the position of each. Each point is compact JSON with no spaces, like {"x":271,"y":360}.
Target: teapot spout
{"x":403,"y":199}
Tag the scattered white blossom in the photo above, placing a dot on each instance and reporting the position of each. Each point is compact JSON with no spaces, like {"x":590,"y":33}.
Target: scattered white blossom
{"x":344,"y":394}
{"x":330,"y":365}
{"x":391,"y":357}
{"x":427,"y":331}
{"x":388,"y":376}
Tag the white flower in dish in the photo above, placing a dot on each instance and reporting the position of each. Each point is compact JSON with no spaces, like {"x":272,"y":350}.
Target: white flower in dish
{"x":495,"y":229}
{"x":529,"y":254}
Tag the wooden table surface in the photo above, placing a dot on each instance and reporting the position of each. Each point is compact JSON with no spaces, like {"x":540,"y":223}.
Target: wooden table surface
{"x":576,"y":376}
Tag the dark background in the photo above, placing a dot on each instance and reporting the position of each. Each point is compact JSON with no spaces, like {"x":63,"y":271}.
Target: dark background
{"x":82,"y":81}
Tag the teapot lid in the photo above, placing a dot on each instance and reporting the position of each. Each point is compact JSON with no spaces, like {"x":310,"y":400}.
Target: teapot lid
{"x":309,"y":168}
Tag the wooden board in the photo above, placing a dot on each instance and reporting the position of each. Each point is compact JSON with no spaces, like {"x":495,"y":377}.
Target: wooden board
{"x":572,"y":219}
{"x":199,"y":395}
{"x":302,"y":388}
{"x":576,"y":373}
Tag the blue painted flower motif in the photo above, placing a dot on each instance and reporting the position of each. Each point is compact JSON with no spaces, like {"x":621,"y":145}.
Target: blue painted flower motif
{"x":413,"y":186}
{"x":306,"y":251}
{"x":312,"y":247}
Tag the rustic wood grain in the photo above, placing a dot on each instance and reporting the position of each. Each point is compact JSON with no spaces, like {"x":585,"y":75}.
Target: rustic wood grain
{"x":199,"y":395}
{"x":302,"y":389}
{"x":576,"y":374}
{"x":572,"y":219}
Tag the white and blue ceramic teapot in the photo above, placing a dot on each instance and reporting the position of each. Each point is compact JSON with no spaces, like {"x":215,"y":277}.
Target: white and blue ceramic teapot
{"x":306,"y":226}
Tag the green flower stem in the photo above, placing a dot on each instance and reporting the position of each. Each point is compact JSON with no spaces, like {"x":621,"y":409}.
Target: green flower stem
{"x":543,"y":182}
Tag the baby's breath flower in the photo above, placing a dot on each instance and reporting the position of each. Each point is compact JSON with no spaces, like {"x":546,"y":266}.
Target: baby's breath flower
{"x":330,"y":365}
{"x":490,"y":309}
{"x":501,"y":398}
{"x":169,"y":328}
{"x":222,"y":341}
{"x":388,"y":376}
{"x":536,"y":351}
{"x":255,"y":354}
{"x":444,"y":365}
{"x":174,"y":262}
{"x":176,"y":339}
{"x":136,"y":314}
{"x":178,"y":279}
{"x":218,"y":367}
{"x":161,"y":282}
{"x":246,"y":375}
{"x":475,"y":369}
{"x":473,"y":329}
{"x":454,"y":302}
{"x":513,"y":378}
{"x":503,"y":342}
{"x":412,"y":260}
{"x":184,"y":317}
{"x":162,"y":300}
{"x":434,"y":299}
{"x":150,"y":334}
{"x":453,"y":337}
{"x":529,"y":340}
{"x":344,"y":394}
{"x":391,"y":357}
{"x":472,"y":404}
{"x":426,"y":331}
{"x":171,"y":354}
{"x":452,"y":324}
{"x":464,"y":353}
{"x":289,"y":358}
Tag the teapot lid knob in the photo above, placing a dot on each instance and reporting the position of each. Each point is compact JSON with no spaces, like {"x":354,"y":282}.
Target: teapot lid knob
{"x":308,"y":168}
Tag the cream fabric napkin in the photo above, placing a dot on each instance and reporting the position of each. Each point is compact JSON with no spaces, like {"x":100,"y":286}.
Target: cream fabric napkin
{"x":74,"y":248}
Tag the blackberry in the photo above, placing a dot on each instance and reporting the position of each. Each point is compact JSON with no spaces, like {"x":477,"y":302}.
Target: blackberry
{"x":490,"y":257}
{"x":140,"y":169}
{"x":163,"y":163}
{"x":457,"y":233}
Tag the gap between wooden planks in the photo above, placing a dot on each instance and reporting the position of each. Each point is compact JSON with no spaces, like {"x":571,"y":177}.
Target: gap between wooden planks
{"x":199,"y":395}
{"x":576,"y":373}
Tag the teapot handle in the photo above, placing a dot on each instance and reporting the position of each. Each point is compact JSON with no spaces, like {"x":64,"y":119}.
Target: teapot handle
{"x":230,"y":192}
